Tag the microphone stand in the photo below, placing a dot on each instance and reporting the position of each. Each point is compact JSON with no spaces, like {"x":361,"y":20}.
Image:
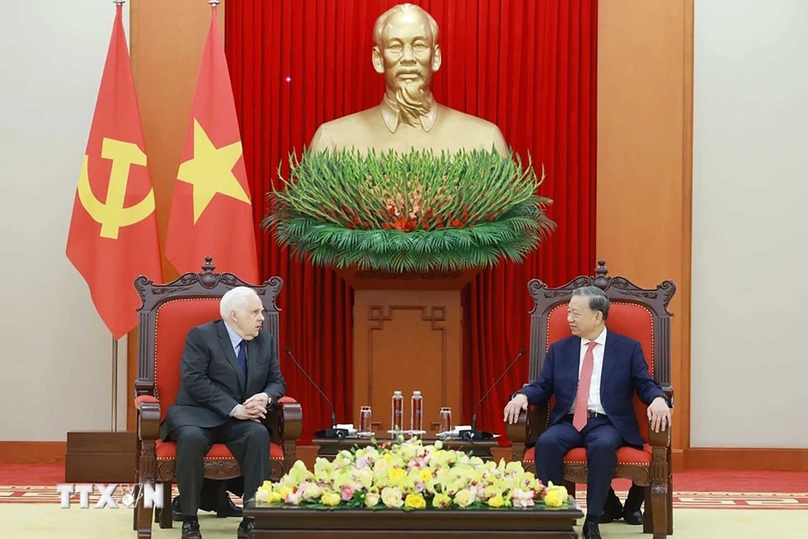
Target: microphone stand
{"x":330,"y":434}
{"x":474,"y":434}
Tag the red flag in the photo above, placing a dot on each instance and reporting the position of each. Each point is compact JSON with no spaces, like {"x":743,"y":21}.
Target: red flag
{"x":113,"y":230}
{"x":211,"y":209}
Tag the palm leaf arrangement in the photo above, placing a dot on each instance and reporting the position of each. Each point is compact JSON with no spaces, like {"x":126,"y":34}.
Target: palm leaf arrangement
{"x":416,"y":211}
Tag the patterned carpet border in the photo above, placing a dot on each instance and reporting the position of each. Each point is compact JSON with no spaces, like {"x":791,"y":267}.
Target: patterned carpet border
{"x":10,"y":494}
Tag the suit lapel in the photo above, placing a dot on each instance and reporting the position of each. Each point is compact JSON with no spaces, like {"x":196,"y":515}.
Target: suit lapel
{"x":230,"y":354}
{"x":575,"y":358}
{"x":608,"y":362}
{"x":252,"y":360}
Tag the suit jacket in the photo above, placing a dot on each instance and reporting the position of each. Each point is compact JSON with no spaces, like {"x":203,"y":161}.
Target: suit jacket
{"x":624,"y":372}
{"x":212,"y":382}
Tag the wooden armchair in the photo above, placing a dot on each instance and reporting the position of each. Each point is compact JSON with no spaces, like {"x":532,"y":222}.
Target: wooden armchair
{"x":168,"y":312}
{"x":641,"y":314}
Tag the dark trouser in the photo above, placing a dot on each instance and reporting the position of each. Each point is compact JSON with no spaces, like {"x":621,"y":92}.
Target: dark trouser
{"x":209,"y":495}
{"x":601,"y":441}
{"x":248,"y":441}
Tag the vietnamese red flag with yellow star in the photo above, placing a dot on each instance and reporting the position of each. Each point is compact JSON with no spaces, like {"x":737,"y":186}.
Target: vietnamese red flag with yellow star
{"x":211,"y":208}
{"x":113,"y":229}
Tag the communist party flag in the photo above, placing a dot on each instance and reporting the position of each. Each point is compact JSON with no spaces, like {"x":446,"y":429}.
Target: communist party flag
{"x":211,"y":209}
{"x":113,"y":229}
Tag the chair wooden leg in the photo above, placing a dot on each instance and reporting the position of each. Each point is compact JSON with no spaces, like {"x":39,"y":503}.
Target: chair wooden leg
{"x":143,"y":518}
{"x":660,"y":508}
{"x":648,"y":516}
{"x":659,"y":492}
{"x":166,"y":514}
{"x":670,"y":502}
{"x":135,"y":493}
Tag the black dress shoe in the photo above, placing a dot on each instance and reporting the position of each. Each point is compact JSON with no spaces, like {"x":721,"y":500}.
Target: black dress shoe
{"x":248,"y":525}
{"x":633,"y":518}
{"x":631,"y":511}
{"x":613,"y":510}
{"x":233,"y":510}
{"x":190,"y":530}
{"x":591,"y":530}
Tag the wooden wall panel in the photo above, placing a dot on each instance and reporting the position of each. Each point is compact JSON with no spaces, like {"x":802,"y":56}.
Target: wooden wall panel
{"x":645,"y":107}
{"x":407,"y":340}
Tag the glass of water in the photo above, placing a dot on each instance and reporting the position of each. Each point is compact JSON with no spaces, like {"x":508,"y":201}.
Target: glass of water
{"x":445,"y":420}
{"x":364,"y":420}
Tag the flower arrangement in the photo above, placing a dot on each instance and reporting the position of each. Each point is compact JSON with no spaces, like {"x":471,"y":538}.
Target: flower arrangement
{"x":408,"y":212}
{"x":410,"y":476}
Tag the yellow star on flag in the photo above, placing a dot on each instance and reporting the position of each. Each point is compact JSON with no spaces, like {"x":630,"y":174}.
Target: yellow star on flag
{"x":210,"y":171}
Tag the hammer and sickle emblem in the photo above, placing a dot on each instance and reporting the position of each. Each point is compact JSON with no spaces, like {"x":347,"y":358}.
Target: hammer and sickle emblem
{"x":111,"y":214}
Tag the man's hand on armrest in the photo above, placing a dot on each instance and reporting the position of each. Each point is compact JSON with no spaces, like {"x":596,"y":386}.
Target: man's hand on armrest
{"x":515,"y":407}
{"x":659,"y":414}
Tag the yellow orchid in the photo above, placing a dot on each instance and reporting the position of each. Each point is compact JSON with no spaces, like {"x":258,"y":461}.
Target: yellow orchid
{"x":409,"y":474}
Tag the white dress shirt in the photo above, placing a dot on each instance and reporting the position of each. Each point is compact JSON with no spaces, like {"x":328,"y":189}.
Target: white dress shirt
{"x":594,"y":404}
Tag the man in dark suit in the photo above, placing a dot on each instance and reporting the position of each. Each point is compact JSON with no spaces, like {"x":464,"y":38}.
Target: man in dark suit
{"x":230,"y":375}
{"x":593,"y":375}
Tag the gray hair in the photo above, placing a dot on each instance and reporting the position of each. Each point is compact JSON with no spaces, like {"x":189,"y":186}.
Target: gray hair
{"x":384,"y":18}
{"x":598,"y":300}
{"x":235,"y":299}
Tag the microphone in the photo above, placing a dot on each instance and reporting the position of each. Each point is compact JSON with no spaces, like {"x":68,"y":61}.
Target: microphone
{"x":475,"y":434}
{"x":333,"y":432}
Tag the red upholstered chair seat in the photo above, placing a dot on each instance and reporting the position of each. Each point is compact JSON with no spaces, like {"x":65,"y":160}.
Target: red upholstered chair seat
{"x":168,"y":451}
{"x":625,"y":456}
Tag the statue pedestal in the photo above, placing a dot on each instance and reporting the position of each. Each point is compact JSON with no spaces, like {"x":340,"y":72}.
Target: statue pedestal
{"x":407,"y":336}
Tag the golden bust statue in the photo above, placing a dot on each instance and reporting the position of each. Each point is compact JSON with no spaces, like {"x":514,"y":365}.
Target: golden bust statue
{"x":406,"y":52}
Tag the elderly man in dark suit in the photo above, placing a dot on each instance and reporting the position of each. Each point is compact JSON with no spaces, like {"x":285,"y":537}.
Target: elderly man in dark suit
{"x":230,"y":375}
{"x":593,"y":375}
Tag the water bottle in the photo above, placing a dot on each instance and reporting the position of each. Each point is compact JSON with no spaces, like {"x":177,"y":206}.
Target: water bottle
{"x":397,"y":423}
{"x":416,"y":412}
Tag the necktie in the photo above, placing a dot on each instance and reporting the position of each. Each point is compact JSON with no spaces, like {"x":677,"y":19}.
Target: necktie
{"x":242,"y":358}
{"x":581,"y":414}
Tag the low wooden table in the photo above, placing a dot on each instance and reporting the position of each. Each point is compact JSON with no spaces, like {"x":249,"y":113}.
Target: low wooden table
{"x":328,"y":448}
{"x":300,"y":523}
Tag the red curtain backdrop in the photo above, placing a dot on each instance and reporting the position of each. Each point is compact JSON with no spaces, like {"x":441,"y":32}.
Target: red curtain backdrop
{"x":527,"y":65}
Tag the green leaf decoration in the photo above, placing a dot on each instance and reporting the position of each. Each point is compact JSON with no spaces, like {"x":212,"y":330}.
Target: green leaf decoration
{"x":411,"y":212}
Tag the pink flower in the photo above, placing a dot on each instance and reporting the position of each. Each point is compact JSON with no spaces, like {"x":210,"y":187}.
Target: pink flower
{"x":347,"y":492}
{"x":293,"y":498}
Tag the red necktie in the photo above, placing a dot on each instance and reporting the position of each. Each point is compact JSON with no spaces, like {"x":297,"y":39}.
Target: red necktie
{"x":581,"y":415}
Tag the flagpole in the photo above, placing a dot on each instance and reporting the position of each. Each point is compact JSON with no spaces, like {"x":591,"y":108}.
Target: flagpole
{"x":114,"y":341}
{"x":114,"y":385}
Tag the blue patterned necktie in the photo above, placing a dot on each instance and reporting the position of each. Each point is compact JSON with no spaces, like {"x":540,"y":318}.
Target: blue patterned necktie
{"x":242,"y":358}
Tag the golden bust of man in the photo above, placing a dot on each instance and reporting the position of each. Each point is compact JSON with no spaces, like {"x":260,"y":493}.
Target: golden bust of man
{"x":406,"y":52}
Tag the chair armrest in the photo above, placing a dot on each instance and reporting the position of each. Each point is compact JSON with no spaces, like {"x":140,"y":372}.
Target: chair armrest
{"x":530,"y":425}
{"x":517,"y":432}
{"x":291,"y":419}
{"x":526,"y":430}
{"x":285,"y":421}
{"x":148,"y":417}
{"x":144,"y":398}
{"x":663,"y":437}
